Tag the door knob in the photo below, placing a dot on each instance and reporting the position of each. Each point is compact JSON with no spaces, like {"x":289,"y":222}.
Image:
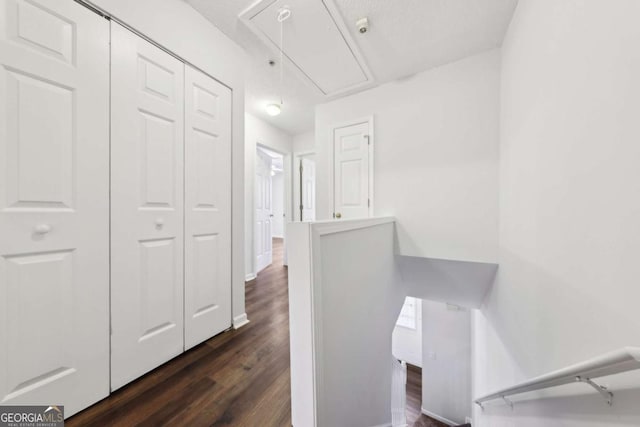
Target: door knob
{"x":42,"y":228}
{"x":159,"y":222}
{"x":338,"y":215}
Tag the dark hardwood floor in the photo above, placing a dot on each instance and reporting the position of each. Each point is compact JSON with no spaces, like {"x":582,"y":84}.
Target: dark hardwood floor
{"x":238,"y":378}
{"x":415,"y":417}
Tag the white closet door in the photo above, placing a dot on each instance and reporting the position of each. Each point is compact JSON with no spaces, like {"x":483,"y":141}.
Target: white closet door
{"x":54,"y":211}
{"x":207,"y":207}
{"x":147,"y":156}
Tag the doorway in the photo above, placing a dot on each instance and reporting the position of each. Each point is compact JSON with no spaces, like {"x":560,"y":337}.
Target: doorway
{"x":353,"y":169}
{"x":304,"y":187}
{"x":270,"y":215}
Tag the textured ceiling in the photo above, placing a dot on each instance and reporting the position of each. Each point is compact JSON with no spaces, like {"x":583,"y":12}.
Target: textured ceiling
{"x":405,"y":37}
{"x":409,"y":36}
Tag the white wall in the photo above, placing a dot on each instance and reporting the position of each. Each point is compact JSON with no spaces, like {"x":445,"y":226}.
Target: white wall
{"x":342,"y":316}
{"x":407,"y":342}
{"x":436,"y":157}
{"x":260,"y":132}
{"x":446,"y":362}
{"x":304,"y":142}
{"x":177,"y":26}
{"x":567,"y":288}
{"x":277,"y":200}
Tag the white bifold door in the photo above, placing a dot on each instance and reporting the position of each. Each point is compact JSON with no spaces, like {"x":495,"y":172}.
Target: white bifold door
{"x":207,"y":228}
{"x":170,"y":207}
{"x":54,"y":204}
{"x":147,"y":191}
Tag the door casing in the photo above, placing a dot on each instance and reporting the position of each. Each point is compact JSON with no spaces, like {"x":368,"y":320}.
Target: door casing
{"x":370,"y":121}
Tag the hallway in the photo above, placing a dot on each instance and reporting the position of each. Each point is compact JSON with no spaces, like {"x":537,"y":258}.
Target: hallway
{"x":238,"y":378}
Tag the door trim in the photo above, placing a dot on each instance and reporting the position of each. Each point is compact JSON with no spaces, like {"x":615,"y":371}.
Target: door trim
{"x":295,"y":175}
{"x":259,"y":159}
{"x":370,"y":122}
{"x":287,"y":159}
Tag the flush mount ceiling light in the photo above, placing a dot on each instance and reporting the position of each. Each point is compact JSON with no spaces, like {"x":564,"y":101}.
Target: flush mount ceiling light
{"x":273,"y":109}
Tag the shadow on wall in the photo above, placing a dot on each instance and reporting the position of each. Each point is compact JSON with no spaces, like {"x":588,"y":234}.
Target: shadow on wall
{"x":564,"y":314}
{"x":567,"y":411}
{"x":524,"y":290}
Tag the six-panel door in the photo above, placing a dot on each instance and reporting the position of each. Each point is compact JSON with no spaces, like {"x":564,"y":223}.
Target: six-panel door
{"x":351,"y":171}
{"x":207,"y":289}
{"x":147,"y":190}
{"x":54,"y":204}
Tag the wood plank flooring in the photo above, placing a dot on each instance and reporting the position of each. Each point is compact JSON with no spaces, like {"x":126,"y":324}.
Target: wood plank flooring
{"x":415,"y":417}
{"x":238,"y":378}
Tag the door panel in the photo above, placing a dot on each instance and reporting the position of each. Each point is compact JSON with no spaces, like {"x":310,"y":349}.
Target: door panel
{"x":158,"y":152}
{"x":208,"y":207}
{"x":351,"y":171}
{"x":33,"y":100}
{"x":147,"y":158}
{"x":54,"y":195}
{"x":263,"y":232}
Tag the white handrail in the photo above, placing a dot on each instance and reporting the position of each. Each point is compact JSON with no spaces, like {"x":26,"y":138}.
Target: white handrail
{"x":615,"y":362}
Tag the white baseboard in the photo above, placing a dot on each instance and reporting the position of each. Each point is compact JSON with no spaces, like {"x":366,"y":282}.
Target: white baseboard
{"x":240,"y":321}
{"x":439,"y":418}
{"x":249,"y":277}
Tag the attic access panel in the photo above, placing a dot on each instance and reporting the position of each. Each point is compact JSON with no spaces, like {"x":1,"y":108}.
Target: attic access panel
{"x":315,"y":42}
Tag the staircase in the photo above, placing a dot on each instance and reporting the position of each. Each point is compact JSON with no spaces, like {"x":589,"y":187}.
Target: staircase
{"x":346,"y":289}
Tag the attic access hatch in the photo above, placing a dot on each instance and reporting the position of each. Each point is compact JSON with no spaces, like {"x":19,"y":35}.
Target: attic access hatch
{"x":316,"y":42}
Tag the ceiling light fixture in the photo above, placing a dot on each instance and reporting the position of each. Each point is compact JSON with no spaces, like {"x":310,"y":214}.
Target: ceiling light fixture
{"x":273,"y":109}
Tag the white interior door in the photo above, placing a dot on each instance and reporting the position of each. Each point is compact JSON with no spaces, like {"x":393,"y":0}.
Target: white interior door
{"x":351,"y":171}
{"x":207,"y":207}
{"x":308,"y":188}
{"x":147,"y":159}
{"x":54,"y":211}
{"x":263,"y":237}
